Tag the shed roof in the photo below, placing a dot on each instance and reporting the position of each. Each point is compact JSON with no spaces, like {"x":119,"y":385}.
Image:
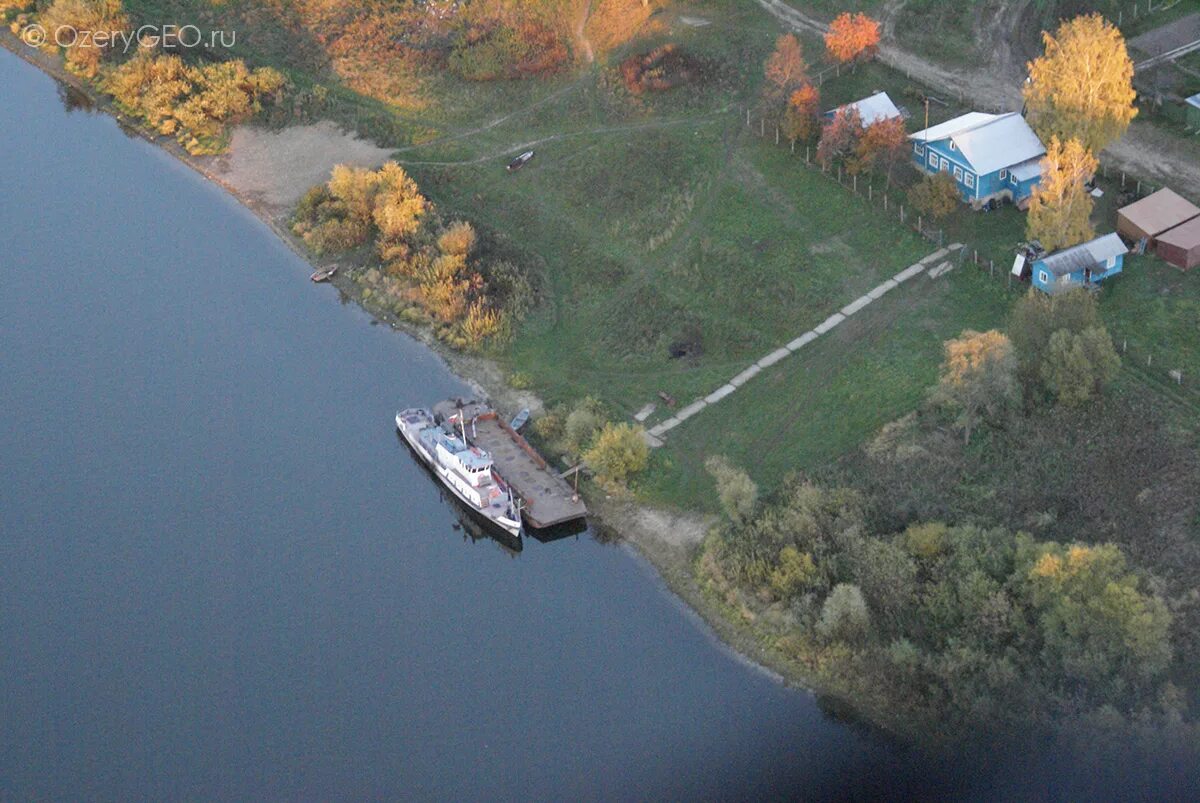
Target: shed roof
{"x":989,"y":142}
{"x":1084,"y":255}
{"x":873,"y":109}
{"x":1160,"y":211}
{"x":1030,"y":168}
{"x":1185,"y":235}
{"x":1194,"y":100}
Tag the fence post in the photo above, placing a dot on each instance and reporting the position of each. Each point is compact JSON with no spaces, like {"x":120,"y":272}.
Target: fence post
{"x":920,"y":228}
{"x":807,"y":150}
{"x":992,"y":268}
{"x":839,"y":174}
{"x":901,"y":213}
{"x":885,"y":202}
{"x":1139,"y":187}
{"x":855,"y":182}
{"x":793,"y":146}
{"x":1122,"y":179}
{"x":762,"y":127}
{"x":747,"y":117}
{"x":776,"y":135}
{"x":870,"y":192}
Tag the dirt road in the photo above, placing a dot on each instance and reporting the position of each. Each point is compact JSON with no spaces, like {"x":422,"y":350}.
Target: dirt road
{"x":1144,"y":151}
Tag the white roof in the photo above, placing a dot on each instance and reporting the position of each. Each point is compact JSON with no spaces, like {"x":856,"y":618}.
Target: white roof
{"x":952,"y":127}
{"x":988,"y":141}
{"x":873,"y":109}
{"x":1084,"y":255}
{"x":1194,"y":100}
{"x":1028,"y":169}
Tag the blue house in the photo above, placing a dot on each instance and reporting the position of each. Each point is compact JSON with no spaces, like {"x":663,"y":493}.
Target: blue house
{"x":1082,"y":265}
{"x":991,"y":156}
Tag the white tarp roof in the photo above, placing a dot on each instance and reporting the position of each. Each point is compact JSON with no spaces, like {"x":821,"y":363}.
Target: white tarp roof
{"x":988,"y":141}
{"x":873,"y":109}
{"x":1194,"y":100}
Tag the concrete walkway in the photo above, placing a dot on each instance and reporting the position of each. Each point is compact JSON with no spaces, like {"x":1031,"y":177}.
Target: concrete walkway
{"x":656,"y":433}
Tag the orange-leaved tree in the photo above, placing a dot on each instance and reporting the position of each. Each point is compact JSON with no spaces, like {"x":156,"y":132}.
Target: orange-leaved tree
{"x":1082,"y":88}
{"x":840,"y":136}
{"x":1061,"y":206}
{"x":852,"y":37}
{"x":785,"y":68}
{"x":801,"y":118}
{"x":883,"y":146}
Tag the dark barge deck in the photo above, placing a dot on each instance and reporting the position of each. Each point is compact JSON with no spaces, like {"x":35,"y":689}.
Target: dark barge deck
{"x":548,"y":499}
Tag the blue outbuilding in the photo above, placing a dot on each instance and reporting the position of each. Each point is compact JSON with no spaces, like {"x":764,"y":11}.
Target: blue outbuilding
{"x":990,"y":156}
{"x":1083,"y":265}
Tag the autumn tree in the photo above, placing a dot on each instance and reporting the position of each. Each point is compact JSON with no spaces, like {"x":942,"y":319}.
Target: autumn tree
{"x":839,"y":137}
{"x":1078,"y":365}
{"x":1061,"y":207}
{"x":882,"y":147}
{"x":68,"y":22}
{"x":935,"y":195}
{"x":1082,"y":87}
{"x":618,"y":452}
{"x":978,"y":380}
{"x":801,"y":118}
{"x":785,"y":68}
{"x":852,"y":37}
{"x":1096,"y":624}
{"x":736,"y":491}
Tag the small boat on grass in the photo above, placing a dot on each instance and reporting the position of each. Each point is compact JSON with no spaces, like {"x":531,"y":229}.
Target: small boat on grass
{"x":324,"y":275}
{"x":464,"y":469}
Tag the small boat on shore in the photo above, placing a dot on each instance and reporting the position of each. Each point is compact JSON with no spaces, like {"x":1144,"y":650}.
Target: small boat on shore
{"x":464,"y":469}
{"x":324,"y":275}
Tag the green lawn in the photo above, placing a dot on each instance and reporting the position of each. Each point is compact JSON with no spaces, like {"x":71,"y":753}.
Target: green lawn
{"x":663,"y":219}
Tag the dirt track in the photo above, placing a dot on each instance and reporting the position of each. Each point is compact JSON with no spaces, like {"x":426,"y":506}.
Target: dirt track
{"x":1144,"y":151}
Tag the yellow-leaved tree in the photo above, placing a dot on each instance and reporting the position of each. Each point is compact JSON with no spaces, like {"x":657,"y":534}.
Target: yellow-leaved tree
{"x":1060,"y":208}
{"x":1082,"y":87}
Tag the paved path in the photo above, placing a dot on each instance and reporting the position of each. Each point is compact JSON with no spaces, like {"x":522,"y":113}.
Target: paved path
{"x":656,"y":433}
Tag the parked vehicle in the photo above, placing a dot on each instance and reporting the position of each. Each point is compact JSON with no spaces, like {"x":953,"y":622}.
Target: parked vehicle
{"x":520,"y":161}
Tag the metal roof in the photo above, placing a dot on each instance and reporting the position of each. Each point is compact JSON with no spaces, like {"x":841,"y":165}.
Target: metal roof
{"x":989,"y":142}
{"x":1031,"y":168}
{"x":1084,"y":255}
{"x":951,"y":127}
{"x":1185,"y":235}
{"x":873,"y":109}
{"x":1194,"y":100}
{"x":1159,"y":211}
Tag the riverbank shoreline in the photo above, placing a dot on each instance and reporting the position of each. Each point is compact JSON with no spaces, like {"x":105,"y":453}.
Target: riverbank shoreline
{"x":666,"y":540}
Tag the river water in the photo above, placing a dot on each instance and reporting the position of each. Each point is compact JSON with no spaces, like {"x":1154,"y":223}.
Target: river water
{"x":223,"y":576}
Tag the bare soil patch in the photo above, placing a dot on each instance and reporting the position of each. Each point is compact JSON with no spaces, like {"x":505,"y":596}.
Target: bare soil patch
{"x":274,"y":169}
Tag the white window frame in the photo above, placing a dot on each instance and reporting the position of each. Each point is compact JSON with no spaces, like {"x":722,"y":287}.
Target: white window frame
{"x":945,"y":164}
{"x":1111,"y":263}
{"x":1043,"y":277}
{"x":958,"y":173}
{"x":1003,"y":175}
{"x":953,"y":147}
{"x":969,"y":179}
{"x":918,"y":149}
{"x":933,"y":159}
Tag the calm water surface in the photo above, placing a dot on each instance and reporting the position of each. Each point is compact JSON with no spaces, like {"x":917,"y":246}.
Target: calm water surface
{"x":221,"y":575}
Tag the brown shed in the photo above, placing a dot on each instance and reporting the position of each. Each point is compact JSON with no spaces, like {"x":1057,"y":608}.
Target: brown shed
{"x":1181,"y":245}
{"x":1154,"y":214}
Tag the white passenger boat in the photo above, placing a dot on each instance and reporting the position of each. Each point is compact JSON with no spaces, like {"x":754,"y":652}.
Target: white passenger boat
{"x":466,"y":470}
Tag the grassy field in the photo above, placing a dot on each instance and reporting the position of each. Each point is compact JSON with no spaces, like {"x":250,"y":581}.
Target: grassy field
{"x":659,"y":221}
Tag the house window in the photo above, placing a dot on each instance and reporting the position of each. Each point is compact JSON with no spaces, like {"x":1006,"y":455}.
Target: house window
{"x":1003,"y":175}
{"x":918,"y":149}
{"x":953,"y":147}
{"x":969,"y":179}
{"x":958,"y":173}
{"x":1043,"y":277}
{"x":945,"y":163}
{"x":1111,"y":263}
{"x":933,"y":160}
